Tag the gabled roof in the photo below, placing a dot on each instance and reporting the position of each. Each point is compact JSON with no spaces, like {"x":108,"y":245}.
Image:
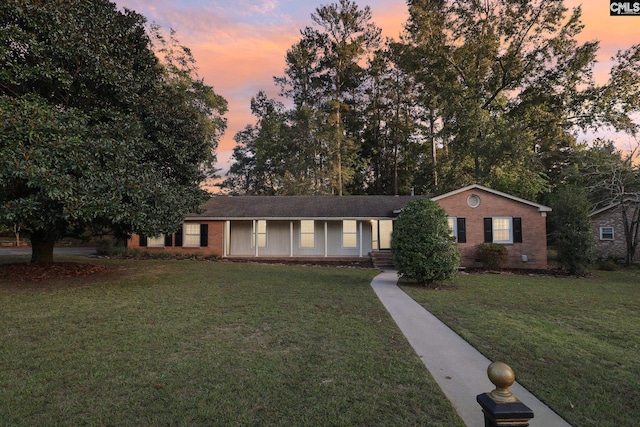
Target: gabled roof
{"x":541,"y":208}
{"x":631,"y":200}
{"x":604,"y":209}
{"x":301,"y":207}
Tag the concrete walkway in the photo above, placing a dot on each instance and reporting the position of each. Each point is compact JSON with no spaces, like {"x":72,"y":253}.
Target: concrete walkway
{"x":459,"y":369}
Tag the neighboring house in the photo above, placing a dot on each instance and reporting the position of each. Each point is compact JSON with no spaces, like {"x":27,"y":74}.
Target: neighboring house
{"x":352,"y":227}
{"x":608,"y":233}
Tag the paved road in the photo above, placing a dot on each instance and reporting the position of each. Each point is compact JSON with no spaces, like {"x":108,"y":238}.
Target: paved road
{"x":63,"y":250}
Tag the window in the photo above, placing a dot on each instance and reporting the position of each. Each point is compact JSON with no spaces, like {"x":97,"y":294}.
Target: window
{"x":349,"y":233}
{"x":606,"y":233}
{"x":259,"y":233}
{"x":458,"y":228}
{"x":385,"y":229}
{"x":452,"y":226}
{"x":503,"y":229}
{"x":307,"y":233}
{"x":191,"y":235}
{"x":156,"y":242}
{"x":160,"y":241}
{"x":473,"y":201}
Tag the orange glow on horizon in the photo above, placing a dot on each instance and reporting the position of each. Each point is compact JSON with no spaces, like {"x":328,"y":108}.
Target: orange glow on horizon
{"x":238,"y":50}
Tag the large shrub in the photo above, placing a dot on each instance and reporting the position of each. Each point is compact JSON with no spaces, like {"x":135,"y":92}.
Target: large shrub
{"x":423,"y":248}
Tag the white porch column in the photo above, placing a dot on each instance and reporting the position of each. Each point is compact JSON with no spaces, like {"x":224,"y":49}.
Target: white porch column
{"x":290,"y":238}
{"x":255,"y":236}
{"x":226,"y":244}
{"x":326,"y":243}
{"x":360,"y":242}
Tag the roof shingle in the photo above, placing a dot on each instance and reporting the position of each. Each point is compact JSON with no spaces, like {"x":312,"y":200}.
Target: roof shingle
{"x":296,"y":207}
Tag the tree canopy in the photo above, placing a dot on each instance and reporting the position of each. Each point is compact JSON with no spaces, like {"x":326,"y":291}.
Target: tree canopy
{"x":97,"y":132}
{"x":492,"y":92}
{"x":323,"y":78}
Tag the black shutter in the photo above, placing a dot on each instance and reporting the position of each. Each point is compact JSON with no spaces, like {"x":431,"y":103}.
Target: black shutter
{"x":168,"y":240}
{"x":179,"y":237}
{"x":517,"y":230}
{"x":462,"y":230}
{"x":204,"y":235}
{"x":143,"y":240}
{"x":488,"y":230}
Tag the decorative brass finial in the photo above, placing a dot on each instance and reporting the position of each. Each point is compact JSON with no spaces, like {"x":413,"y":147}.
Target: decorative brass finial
{"x":502,"y":376}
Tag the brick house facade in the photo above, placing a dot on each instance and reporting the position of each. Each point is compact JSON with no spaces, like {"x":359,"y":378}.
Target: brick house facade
{"x":481,"y":208}
{"x":608,"y":233}
{"x":353,"y":227}
{"x":211,"y":240}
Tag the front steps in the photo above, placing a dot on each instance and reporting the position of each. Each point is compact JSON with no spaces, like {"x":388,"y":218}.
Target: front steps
{"x":381,"y":259}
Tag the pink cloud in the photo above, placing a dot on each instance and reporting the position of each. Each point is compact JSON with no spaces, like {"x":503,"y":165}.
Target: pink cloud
{"x":239,"y":46}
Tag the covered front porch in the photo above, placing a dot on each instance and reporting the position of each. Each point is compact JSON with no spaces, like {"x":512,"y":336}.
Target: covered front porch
{"x":306,"y":238}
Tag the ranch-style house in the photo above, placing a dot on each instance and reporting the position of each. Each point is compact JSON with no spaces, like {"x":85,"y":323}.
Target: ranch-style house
{"x":352,"y":228}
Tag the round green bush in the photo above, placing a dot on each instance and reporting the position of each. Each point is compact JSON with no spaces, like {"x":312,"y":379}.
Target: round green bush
{"x":423,"y":248}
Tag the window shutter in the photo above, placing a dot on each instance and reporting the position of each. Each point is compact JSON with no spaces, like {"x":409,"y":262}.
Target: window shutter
{"x":179,"y":237}
{"x":143,"y":241}
{"x":517,"y":230}
{"x":204,"y":235}
{"x":488,"y":230}
{"x":462,"y":230}
{"x":168,"y":239}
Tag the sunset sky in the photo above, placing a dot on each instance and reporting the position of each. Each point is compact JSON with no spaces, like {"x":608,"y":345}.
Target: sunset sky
{"x":240,"y":45}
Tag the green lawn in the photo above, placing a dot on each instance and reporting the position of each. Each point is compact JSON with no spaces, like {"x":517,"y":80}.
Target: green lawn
{"x":572,"y":342}
{"x":209,"y":343}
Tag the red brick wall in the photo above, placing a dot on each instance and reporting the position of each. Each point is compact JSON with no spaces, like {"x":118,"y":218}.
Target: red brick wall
{"x":214,"y":247}
{"x":534,"y":227}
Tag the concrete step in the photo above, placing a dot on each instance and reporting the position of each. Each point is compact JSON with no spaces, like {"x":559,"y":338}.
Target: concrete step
{"x":381,"y":259}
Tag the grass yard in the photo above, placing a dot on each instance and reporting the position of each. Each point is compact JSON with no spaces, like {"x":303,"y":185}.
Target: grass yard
{"x":209,"y":343}
{"x":573,"y":342}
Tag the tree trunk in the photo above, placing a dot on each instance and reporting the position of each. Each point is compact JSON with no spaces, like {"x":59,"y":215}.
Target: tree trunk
{"x":476,"y":156}
{"x":16,"y":230}
{"x":42,"y":242}
{"x":434,"y":151}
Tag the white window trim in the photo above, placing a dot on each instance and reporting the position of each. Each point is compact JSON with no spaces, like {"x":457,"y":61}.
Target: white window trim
{"x":185,"y":240}
{"x":493,"y":226}
{"x":613,"y":235}
{"x":453,"y":226}
{"x":311,"y":234}
{"x":354,"y":234}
